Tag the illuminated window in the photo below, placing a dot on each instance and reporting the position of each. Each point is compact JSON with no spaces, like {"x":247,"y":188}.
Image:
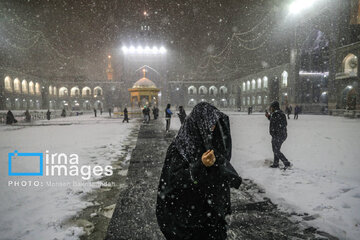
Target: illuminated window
{"x":17,"y":85}
{"x":75,"y":92}
{"x":284,"y":79}
{"x":223,"y":90}
{"x":31,"y":88}
{"x":253,"y":84}
{"x":37,"y":89}
{"x":213,"y":90}
{"x":63,"y":91}
{"x":192,"y":90}
{"x":8,"y":84}
{"x":98,"y":91}
{"x":24,"y":87}
{"x":259,"y":83}
{"x":202,"y":90}
{"x":86,"y":91}
{"x":265,"y":82}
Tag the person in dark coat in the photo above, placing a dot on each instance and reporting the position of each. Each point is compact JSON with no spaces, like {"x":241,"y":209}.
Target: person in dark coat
{"x":288,"y":111}
{"x":146,"y":113}
{"x":48,"y":114}
{"x":155,"y":112}
{"x":278,"y":132}
{"x":296,"y":112}
{"x":110,"y":110}
{"x":168,"y":114}
{"x":10,"y":119}
{"x":27,"y":116}
{"x":194,"y":188}
{"x":182,"y":114}
{"x":126,"y":117}
{"x":95,"y":112}
{"x":63,"y":113}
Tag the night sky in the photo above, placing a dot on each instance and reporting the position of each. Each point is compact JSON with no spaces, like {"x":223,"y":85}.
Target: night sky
{"x":79,"y":34}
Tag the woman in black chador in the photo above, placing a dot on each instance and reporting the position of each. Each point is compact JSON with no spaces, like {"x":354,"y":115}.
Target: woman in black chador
{"x":182,"y":115}
{"x":194,"y":189}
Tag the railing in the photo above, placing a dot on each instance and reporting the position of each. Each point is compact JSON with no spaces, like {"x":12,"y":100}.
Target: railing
{"x":345,"y":113}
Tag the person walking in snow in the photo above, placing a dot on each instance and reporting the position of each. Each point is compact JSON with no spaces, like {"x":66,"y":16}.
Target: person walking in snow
{"x":155,"y":112}
{"x":110,"y":110}
{"x":288,"y":111}
{"x":278,"y":132}
{"x":182,"y":114}
{"x":95,"y":112}
{"x":194,"y":188}
{"x":146,"y":113}
{"x":27,"y":116}
{"x":126,"y":117}
{"x":168,"y":114}
{"x":296,"y":112}
{"x":48,"y":114}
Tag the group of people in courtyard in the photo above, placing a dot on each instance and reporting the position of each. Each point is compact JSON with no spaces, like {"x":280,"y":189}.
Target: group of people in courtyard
{"x":288,"y":111}
{"x":10,"y":118}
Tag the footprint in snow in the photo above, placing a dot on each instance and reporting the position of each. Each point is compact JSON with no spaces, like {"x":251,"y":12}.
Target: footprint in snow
{"x":345,"y":205}
{"x":345,"y":190}
{"x":356,"y":195}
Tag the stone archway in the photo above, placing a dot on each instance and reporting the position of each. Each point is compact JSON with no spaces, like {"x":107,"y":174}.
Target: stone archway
{"x":8,"y":103}
{"x":98,"y":104}
{"x":87,"y":105}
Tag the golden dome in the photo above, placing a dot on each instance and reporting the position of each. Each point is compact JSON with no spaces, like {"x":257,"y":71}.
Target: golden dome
{"x":144,"y":83}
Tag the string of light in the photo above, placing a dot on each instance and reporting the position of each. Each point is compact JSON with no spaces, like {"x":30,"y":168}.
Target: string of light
{"x":242,"y":42}
{"x":39,"y":35}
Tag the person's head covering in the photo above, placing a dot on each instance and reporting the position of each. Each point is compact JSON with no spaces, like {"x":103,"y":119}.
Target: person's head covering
{"x":195,"y":135}
{"x":275,"y":105}
{"x":168,"y":105}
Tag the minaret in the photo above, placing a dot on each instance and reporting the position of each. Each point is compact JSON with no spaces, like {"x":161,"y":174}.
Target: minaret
{"x":109,"y":70}
{"x":145,"y":28}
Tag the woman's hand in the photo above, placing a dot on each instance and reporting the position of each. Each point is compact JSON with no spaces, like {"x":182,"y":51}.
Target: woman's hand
{"x":208,"y":158}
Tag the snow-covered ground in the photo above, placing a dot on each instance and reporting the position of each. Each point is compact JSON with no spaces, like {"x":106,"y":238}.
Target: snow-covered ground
{"x":325,"y":179}
{"x":324,"y":182}
{"x":29,"y":212}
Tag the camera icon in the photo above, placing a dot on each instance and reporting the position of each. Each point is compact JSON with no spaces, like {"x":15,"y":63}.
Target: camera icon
{"x":25,"y":164}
